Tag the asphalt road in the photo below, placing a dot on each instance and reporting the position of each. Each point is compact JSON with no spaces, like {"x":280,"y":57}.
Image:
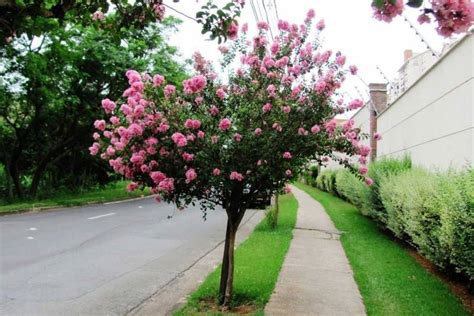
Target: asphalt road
{"x":99,"y":260}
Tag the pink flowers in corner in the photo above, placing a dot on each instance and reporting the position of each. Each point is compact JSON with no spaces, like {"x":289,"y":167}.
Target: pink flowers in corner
{"x":236,"y":176}
{"x":98,"y":16}
{"x":108,"y":105}
{"x":225,"y":124}
{"x":179,"y":139}
{"x":452,"y":16}
{"x":388,"y":11}
{"x":194,"y":85}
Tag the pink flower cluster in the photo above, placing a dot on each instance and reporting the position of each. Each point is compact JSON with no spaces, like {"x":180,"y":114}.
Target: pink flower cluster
{"x":194,"y":85}
{"x":389,"y":10}
{"x":453,"y":16}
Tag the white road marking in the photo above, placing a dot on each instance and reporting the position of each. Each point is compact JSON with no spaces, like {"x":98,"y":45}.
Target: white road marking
{"x":100,"y":216}
{"x":33,"y":228}
{"x":29,"y":237}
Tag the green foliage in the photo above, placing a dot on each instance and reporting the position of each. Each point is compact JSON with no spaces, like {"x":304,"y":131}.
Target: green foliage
{"x":217,"y":21}
{"x":433,"y":211}
{"x":389,"y":278}
{"x":311,"y":174}
{"x":258,"y":263}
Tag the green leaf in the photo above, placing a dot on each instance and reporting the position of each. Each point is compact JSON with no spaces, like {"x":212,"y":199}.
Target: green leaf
{"x":414,"y":3}
{"x":20,"y":3}
{"x":378,"y":3}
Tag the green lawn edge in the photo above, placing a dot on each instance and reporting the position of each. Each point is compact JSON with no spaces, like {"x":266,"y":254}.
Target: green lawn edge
{"x":112,"y":192}
{"x":390,"y":280}
{"x":258,"y":261}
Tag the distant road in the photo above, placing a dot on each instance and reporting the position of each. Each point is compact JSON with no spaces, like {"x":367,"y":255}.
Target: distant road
{"x":99,"y":260}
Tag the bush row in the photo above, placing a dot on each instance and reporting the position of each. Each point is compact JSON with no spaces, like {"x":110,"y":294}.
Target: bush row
{"x":433,"y":211}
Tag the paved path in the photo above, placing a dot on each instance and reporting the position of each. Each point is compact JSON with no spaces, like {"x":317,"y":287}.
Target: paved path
{"x":103,"y":259}
{"x":316,"y":278}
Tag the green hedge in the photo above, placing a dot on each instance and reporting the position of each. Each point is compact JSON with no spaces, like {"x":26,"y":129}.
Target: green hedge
{"x":433,"y":211}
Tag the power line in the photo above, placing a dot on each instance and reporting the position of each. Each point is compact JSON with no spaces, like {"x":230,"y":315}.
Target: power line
{"x":268,"y":20}
{"x":179,"y":12}
{"x":276,"y":9}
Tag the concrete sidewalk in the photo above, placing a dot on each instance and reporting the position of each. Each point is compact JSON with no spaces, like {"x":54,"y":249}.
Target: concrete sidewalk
{"x":316,"y":278}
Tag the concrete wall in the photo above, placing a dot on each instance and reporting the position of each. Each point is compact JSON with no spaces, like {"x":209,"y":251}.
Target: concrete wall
{"x":433,"y":120}
{"x":362,"y":120}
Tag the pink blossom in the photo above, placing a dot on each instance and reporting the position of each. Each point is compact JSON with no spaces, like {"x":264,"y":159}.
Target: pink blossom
{"x":287,"y":189}
{"x":233,"y":31}
{"x":286,"y":109}
{"x":158,"y":80}
{"x":220,"y":93}
{"x":320,"y":86}
{"x":216,"y":172}
{"x":330,"y":126}
{"x":126,"y":109}
{"x":192,"y":124}
{"x":188,"y":156}
{"x":198,"y":100}
{"x":363,"y":170}
{"x":423,"y":18}
{"x":266,"y":108}
{"x":200,"y":134}
{"x":190,"y":175}
{"x":453,"y":16}
{"x":261,"y":25}
{"x":355,"y":104}
{"x":94,"y":149}
{"x":108,"y":105}
{"x":214,"y":110}
{"x":98,"y":16}
{"x":302,"y":131}
{"x":100,"y":125}
{"x":377,"y":136}
{"x":164,"y":152}
{"x":315,"y":129}
{"x":166,"y":185}
{"x":258,"y":131}
{"x":388,"y":11}
{"x":277,"y":126}
{"x":237,"y":137}
{"x":194,"y":85}
{"x":363,"y":160}
{"x":340,"y":60}
{"x":96,"y":136}
{"x":223,"y":49}
{"x":114,"y":120}
{"x":163,"y":128}
{"x":179,"y":139}
{"x":311,"y":14}
{"x":287,"y":155}
{"x":353,"y":69}
{"x":225,"y":124}
{"x":137,"y":159}
{"x":245,"y":28}
{"x":369,"y":181}
{"x":132,"y":186}
{"x":320,"y":25}
{"x":283,"y":25}
{"x":110,"y":151}
{"x":234,"y":175}
{"x":169,"y":90}
{"x":274,"y":48}
{"x":288,"y":173}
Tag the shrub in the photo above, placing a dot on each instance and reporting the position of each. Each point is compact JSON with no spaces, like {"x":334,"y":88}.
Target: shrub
{"x":350,"y":188}
{"x":326,"y":181}
{"x":435,"y":212}
{"x":310,"y":175}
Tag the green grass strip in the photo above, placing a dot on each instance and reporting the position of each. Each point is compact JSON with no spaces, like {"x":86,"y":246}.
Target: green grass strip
{"x":111,"y":192}
{"x":390,"y":280}
{"x":258,"y":261}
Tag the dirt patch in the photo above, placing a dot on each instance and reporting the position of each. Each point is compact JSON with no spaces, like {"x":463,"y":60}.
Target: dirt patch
{"x":207,"y":305}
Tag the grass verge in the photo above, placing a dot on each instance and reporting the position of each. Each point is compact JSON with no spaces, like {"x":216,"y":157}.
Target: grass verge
{"x":258,"y":261}
{"x":111,"y":192}
{"x":390,"y":280}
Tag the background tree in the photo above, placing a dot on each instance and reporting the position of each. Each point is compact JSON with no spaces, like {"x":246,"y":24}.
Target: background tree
{"x":34,"y":18}
{"x":224,"y":144}
{"x":51,"y":90}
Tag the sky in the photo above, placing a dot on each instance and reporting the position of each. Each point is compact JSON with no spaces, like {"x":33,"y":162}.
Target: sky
{"x":350,"y":28}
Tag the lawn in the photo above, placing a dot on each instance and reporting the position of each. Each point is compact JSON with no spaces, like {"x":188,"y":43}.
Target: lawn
{"x":258,"y":261}
{"x":111,"y":192}
{"x":390,"y":280}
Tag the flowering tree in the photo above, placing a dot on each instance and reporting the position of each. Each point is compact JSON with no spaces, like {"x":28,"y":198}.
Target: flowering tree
{"x":452,"y":16}
{"x":217,"y":143}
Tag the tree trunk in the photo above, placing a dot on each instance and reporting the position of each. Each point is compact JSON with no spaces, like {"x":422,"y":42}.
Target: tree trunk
{"x":13,"y":170}
{"x":227,"y":273}
{"x":235,"y":212}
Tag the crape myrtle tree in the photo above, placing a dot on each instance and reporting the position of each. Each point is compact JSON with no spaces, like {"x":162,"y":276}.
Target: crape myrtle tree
{"x":222,"y":143}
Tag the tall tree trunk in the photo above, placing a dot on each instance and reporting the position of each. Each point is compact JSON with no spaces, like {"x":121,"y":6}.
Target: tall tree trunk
{"x":15,"y":176}
{"x":235,"y":213}
{"x":227,"y":273}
